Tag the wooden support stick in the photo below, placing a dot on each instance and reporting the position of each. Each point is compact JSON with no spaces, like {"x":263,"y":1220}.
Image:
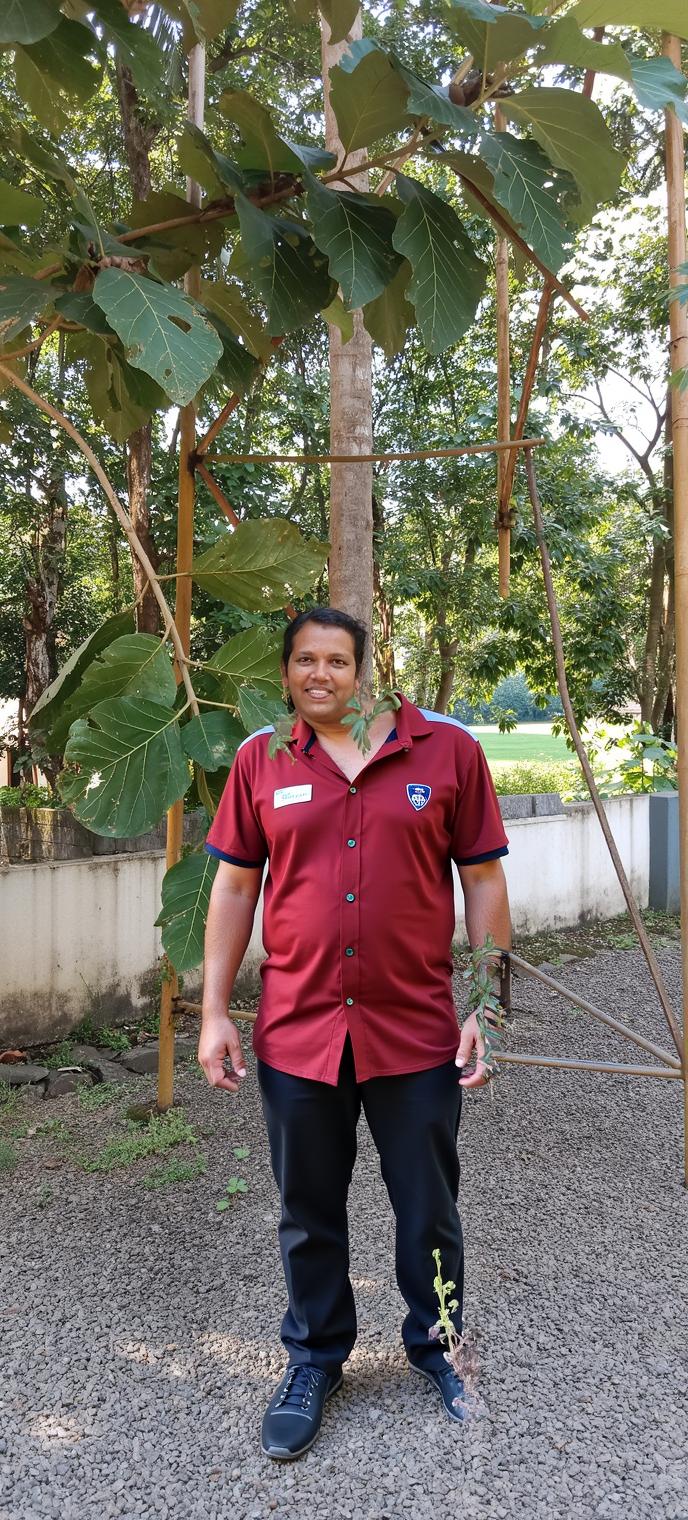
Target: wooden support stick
{"x":185,"y":515}
{"x":562,"y":1063}
{"x":503,"y":395}
{"x":678,"y":320}
{"x":631,"y":904}
{"x":597,"y":1013}
{"x":217,"y":493}
{"x":471,"y":448}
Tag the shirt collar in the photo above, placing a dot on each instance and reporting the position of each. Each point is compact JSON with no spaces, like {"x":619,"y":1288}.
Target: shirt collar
{"x":408,"y":721}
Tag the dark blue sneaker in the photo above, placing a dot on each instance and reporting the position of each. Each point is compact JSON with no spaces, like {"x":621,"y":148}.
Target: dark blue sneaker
{"x":293,"y":1416}
{"x":450,"y":1387}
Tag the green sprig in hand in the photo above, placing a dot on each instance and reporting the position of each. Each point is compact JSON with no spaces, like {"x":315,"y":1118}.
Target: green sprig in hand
{"x":491,"y":1016}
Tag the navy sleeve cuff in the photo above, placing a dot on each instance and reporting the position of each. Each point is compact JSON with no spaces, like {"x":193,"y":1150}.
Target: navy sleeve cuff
{"x":477,"y":860}
{"x":233,"y":860}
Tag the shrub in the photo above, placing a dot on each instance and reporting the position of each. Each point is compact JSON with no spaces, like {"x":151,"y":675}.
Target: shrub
{"x":532,"y":776}
{"x":29,"y":796}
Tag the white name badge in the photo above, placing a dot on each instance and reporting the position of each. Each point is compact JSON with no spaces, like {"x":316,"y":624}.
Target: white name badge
{"x":285,"y":796}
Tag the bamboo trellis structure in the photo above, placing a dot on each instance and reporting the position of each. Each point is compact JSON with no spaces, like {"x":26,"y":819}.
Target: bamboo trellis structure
{"x":195,"y":458}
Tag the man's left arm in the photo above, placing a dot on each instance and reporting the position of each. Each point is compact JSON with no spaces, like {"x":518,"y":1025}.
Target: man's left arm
{"x":487,"y":912}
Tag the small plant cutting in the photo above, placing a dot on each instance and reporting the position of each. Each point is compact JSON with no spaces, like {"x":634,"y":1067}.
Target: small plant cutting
{"x":236,"y":1185}
{"x":461,"y":1352}
{"x":483,"y":1000}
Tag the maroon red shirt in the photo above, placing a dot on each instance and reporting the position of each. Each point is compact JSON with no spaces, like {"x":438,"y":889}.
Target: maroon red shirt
{"x":358,"y":908}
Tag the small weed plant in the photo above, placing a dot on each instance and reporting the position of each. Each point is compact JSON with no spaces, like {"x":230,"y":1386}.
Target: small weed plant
{"x":176,"y":1170}
{"x":161,"y":1134}
{"x":101,"y":1095}
{"x":236,"y":1185}
{"x":8,"y":1155}
{"x":460,"y":1349}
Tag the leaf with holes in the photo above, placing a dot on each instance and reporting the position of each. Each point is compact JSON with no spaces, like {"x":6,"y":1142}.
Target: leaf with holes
{"x":21,"y":301}
{"x":252,"y":655}
{"x":124,"y":767}
{"x":389,"y":317}
{"x":26,"y":21}
{"x":355,"y":232}
{"x":448,"y":279}
{"x":212,"y":739}
{"x":18,"y":208}
{"x":521,"y":175}
{"x":163,"y":334}
{"x":574,"y":135}
{"x":368,"y":97}
{"x":182,"y":917}
{"x":261,"y":565}
{"x":135,"y":665}
{"x":285,"y":266}
{"x":50,"y":720}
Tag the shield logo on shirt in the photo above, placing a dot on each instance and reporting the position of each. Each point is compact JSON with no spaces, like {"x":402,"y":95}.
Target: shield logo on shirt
{"x":418,"y":795}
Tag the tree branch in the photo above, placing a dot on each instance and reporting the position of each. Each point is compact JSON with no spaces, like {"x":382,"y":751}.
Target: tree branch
{"x":121,"y":515}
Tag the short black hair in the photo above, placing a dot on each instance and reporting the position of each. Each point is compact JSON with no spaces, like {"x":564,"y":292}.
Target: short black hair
{"x":327,"y":617}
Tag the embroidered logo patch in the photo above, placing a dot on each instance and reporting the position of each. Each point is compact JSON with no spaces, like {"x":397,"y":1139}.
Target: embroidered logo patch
{"x":418,"y":795}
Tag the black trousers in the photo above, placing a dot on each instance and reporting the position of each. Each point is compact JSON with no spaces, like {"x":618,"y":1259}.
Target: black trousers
{"x":414,"y":1121}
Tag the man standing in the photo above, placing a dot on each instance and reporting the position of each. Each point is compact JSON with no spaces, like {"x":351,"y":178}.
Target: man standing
{"x":356,"y":1007}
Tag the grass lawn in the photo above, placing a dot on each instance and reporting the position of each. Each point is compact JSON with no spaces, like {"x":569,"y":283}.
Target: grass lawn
{"x":530,"y":741}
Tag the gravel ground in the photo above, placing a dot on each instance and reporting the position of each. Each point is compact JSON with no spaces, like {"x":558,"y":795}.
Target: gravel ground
{"x":141,"y":1327}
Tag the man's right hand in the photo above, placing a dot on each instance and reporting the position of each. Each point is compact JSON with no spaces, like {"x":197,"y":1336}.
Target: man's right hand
{"x":220,"y":1041}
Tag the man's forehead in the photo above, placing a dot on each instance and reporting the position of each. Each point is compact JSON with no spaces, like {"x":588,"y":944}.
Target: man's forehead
{"x":314,"y":638}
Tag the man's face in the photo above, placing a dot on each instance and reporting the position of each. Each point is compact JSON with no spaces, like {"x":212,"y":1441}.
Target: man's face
{"x":321,"y":674}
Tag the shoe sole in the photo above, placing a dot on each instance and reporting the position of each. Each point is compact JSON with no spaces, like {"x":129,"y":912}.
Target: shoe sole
{"x":280,"y":1453}
{"x":456,"y":1419}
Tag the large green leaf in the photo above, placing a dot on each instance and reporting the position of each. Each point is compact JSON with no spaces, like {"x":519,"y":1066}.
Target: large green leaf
{"x":50,"y":719}
{"x":185,"y":898}
{"x":355,"y":231}
{"x":79,"y":306}
{"x":564,"y":42}
{"x":368,"y":97}
{"x":177,"y":248}
{"x":448,"y":278}
{"x":237,"y":367}
{"x":38,"y":92}
{"x":388,"y":318}
{"x":340,"y":16}
{"x":27,"y":21}
{"x":201,"y":162}
{"x":252,"y":655}
{"x":52,"y":165}
{"x":21,"y":301}
{"x":257,"y":710}
{"x":492,"y":33}
{"x":337,"y":315}
{"x":573,"y":133}
{"x":134,"y":45}
{"x":147,"y":317}
{"x":212,"y":739}
{"x":135,"y":665}
{"x":265,"y":148}
{"x":285,"y":266}
{"x":658,"y":84}
{"x":664,"y":15}
{"x":261,"y":565}
{"x":228,"y":302}
{"x":18,"y":208}
{"x":66,"y":56}
{"x":433,"y":100}
{"x":122,"y":398}
{"x":521,"y":176}
{"x":210,"y":18}
{"x":124,"y":767}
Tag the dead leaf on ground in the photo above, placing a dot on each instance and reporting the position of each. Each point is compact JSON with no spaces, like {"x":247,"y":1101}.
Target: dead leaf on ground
{"x":11,"y":1057}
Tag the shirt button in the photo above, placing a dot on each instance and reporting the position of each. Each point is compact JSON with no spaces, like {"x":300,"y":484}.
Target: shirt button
{"x":349,"y":950}
{"x":353,"y":790}
{"x":349,"y":1002}
{"x":351,"y":896}
{"x":351,"y":843}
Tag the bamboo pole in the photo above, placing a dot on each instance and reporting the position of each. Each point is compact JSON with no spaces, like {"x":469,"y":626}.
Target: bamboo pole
{"x":678,"y":323}
{"x":605,"y":1018}
{"x":469,"y":448}
{"x":503,"y":396}
{"x":562,"y":683}
{"x":185,"y":512}
{"x":562,"y":1063}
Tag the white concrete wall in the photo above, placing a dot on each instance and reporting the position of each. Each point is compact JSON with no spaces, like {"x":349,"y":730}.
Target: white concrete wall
{"x":78,"y":936}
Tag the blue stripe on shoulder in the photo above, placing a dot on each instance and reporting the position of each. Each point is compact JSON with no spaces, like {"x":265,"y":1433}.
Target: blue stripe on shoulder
{"x":269,"y":730}
{"x":435,"y":717}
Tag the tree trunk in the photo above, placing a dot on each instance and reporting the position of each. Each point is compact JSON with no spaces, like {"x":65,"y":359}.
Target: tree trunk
{"x":42,"y":590}
{"x":657,"y":654}
{"x":384,"y":645}
{"x":139,"y":137}
{"x":351,"y":416}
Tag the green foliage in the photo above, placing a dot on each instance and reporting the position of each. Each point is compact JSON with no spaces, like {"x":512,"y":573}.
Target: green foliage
{"x":124,"y":766}
{"x":185,"y":897}
{"x":635,"y":761}
{"x":162,"y":1133}
{"x":260,"y":564}
{"x":234,"y":1188}
{"x":163,"y":333}
{"x":532,"y":776}
{"x":448,"y":280}
{"x":358,"y":721}
{"x":28,"y":796}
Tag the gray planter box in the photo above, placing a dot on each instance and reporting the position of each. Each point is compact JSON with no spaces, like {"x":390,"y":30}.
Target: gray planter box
{"x":665,"y":880}
{"x":30,"y":835}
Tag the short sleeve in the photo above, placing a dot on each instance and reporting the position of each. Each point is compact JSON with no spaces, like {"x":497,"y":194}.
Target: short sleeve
{"x":235,"y":834}
{"x":478,"y":828}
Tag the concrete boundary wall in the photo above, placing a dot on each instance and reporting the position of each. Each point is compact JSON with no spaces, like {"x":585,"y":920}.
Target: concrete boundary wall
{"x":77,"y":937}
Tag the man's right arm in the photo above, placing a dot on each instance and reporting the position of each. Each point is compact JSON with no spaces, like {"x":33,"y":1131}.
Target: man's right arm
{"x":231,"y":912}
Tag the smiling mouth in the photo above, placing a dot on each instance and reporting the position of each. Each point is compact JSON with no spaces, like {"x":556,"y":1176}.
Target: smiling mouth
{"x":317,"y":693}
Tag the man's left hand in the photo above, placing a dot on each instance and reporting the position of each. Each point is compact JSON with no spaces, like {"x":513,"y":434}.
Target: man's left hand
{"x":472,"y":1043}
